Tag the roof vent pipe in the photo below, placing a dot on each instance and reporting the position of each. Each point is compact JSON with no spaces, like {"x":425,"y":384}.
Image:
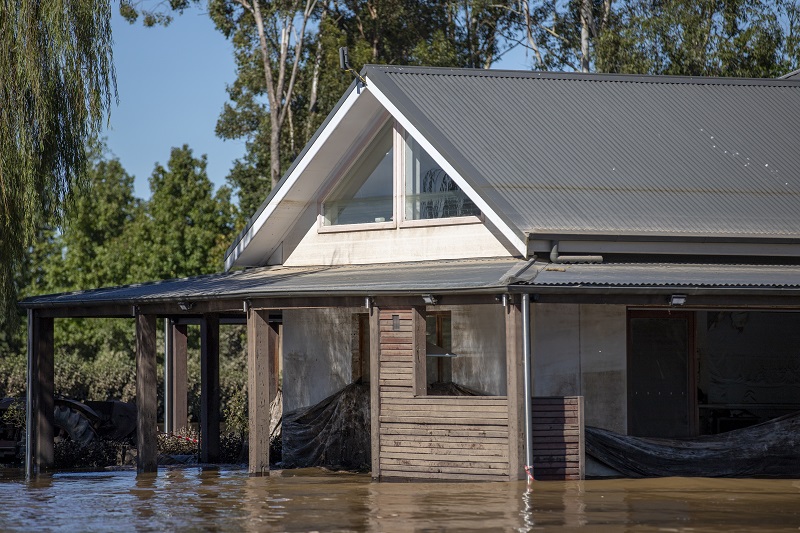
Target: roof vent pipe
{"x":555,"y":258}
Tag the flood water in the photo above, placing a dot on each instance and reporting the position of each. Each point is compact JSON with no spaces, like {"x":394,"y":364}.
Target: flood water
{"x":227,"y":499}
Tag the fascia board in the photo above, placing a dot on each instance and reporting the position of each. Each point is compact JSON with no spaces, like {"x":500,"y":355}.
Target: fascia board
{"x":515,"y":238}
{"x":290,"y":179}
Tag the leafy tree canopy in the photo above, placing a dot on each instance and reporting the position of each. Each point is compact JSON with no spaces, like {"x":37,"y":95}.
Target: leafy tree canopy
{"x":56,"y":85}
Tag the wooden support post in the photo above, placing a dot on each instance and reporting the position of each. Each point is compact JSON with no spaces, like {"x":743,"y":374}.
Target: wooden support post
{"x":169,"y":380}
{"x":180,"y":377}
{"x":262,"y":347}
{"x":375,"y":389}
{"x":39,"y":433}
{"x":419,"y":327}
{"x":146,"y":396}
{"x":515,"y":392}
{"x":209,"y":389}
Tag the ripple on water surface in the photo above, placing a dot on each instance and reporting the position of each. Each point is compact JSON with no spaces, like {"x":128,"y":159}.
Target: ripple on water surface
{"x":227,"y":499}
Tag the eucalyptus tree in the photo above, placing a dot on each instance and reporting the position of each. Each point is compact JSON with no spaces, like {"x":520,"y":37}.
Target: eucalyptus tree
{"x":746,"y":38}
{"x":56,"y":87}
{"x":755,"y":38}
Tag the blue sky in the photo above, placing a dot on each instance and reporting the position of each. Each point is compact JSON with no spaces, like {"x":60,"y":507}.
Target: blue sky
{"x":171,"y":83}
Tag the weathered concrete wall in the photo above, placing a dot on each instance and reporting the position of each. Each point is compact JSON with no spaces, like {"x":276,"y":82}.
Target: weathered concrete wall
{"x":581,"y":350}
{"x":480,"y":342}
{"x":603,"y":360}
{"x":556,"y":346}
{"x":317,"y":354}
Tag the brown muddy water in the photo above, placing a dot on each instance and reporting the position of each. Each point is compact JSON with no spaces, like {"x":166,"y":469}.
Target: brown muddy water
{"x":222,"y":499}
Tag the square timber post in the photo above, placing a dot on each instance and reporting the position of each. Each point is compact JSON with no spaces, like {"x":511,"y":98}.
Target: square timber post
{"x":209,"y":389}
{"x":39,"y":401}
{"x":375,"y":388}
{"x":180,"y":377}
{"x":262,"y":352}
{"x":146,"y":395}
{"x":515,"y":389}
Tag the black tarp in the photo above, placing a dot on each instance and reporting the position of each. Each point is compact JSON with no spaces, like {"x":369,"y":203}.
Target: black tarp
{"x":770,"y":449}
{"x":333,"y":433}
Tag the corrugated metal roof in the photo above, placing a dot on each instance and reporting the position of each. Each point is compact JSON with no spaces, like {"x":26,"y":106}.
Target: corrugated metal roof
{"x":795,"y":76}
{"x":438,"y":276}
{"x":624,"y":155}
{"x":666,"y":275}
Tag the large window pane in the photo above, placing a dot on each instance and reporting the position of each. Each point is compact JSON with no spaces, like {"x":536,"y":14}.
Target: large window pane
{"x":365,"y":194}
{"x":430,"y":193}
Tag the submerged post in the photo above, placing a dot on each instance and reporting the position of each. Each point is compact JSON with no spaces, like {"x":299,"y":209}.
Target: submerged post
{"x":515,"y":390}
{"x":39,"y":400}
{"x":374,"y":388}
{"x":146,"y":396}
{"x":262,"y":347}
{"x":209,"y":389}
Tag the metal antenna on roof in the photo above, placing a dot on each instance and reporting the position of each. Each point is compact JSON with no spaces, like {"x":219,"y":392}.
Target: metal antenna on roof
{"x":344,"y":64}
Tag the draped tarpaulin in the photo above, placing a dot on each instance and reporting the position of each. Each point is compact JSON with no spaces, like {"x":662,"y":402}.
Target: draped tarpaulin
{"x":770,"y":449}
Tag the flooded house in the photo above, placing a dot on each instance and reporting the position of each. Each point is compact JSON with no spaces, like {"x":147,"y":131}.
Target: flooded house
{"x":502,"y":260}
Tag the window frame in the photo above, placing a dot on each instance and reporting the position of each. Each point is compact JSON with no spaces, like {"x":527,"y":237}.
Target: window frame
{"x":400,"y":184}
{"x":399,"y":147}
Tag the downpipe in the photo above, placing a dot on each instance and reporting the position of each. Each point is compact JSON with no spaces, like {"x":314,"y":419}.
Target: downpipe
{"x":527,"y":389}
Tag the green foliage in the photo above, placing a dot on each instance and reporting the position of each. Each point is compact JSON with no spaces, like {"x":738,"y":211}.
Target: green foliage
{"x":185,"y":228}
{"x":113,"y":238}
{"x":742,"y":38}
{"x":745,"y":38}
{"x":14,"y":416}
{"x":56,"y":85}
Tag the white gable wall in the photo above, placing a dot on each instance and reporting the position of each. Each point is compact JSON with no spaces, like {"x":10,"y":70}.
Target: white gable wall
{"x":306,"y":246}
{"x":285,"y":231}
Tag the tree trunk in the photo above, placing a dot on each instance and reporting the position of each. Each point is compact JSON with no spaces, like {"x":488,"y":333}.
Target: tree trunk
{"x":274,"y":147}
{"x":586,"y":25}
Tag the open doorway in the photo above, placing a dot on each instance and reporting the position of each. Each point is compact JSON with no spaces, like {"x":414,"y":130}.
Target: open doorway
{"x":661,"y":376}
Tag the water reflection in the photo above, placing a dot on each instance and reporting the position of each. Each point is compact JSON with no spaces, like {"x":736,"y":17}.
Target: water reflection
{"x":223,"y":499}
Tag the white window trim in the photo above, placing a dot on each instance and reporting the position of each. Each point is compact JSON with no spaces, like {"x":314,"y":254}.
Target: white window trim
{"x":400,"y":221}
{"x":341,"y":171}
{"x":516,"y":239}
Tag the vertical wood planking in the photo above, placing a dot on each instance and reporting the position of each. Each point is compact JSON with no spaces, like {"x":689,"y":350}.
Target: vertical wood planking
{"x":146,"y":395}
{"x":262,"y":342}
{"x":209,"y":389}
{"x":180,"y":377}
{"x":515,"y":392}
{"x":374,"y":389}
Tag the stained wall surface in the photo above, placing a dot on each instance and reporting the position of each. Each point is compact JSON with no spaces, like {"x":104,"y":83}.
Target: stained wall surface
{"x":317,"y":354}
{"x":580,"y":350}
{"x":480,"y":342}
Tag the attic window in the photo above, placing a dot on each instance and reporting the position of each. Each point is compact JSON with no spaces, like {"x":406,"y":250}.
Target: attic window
{"x":365,"y":194}
{"x":430,"y":193}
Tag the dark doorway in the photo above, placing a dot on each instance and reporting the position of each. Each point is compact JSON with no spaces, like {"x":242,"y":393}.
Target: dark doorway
{"x":661,"y":394}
